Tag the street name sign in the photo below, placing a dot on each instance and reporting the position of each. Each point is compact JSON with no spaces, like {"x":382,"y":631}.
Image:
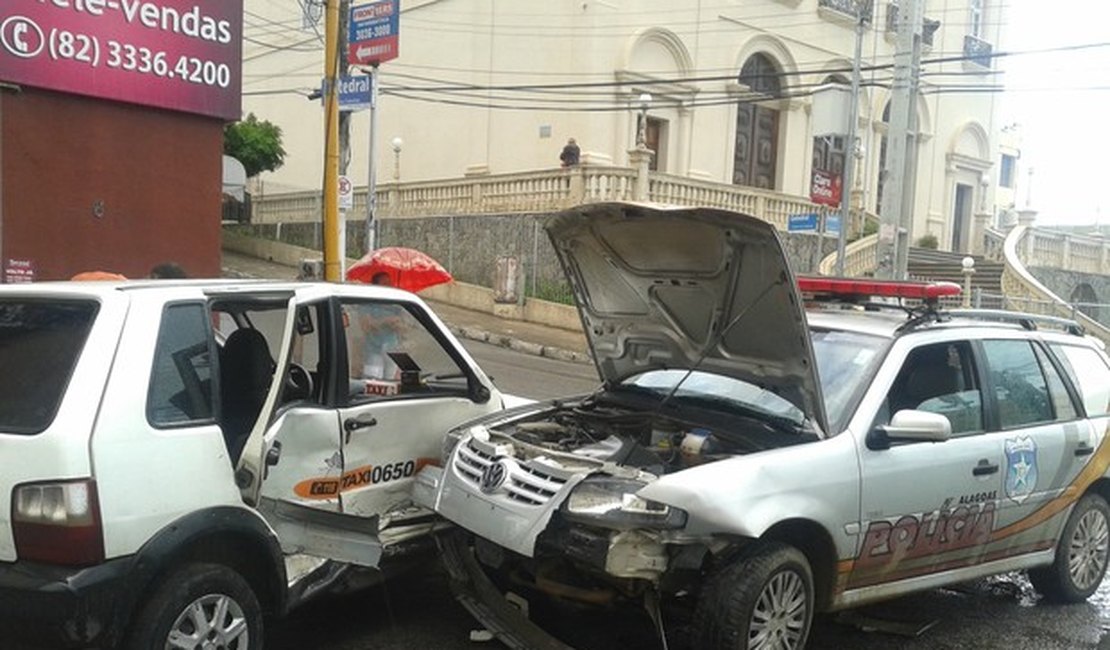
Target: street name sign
{"x":354,"y":92}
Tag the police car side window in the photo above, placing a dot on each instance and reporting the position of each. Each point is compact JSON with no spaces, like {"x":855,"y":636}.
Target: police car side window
{"x":939,"y":378}
{"x":1020,"y":390}
{"x":1089,"y":374}
{"x":1062,"y":405}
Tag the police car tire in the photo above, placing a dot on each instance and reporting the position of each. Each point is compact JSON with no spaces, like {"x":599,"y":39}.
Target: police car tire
{"x":724,"y":610}
{"x":1055,"y":582}
{"x":182,"y":587}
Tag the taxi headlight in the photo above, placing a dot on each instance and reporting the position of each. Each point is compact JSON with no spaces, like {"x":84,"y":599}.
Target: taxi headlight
{"x":612,"y":503}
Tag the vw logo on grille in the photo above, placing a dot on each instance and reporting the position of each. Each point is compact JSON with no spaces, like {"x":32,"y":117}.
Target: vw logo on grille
{"x":494,"y":476}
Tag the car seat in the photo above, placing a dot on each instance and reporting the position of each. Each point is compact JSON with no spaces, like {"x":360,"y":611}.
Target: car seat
{"x":245,"y":374}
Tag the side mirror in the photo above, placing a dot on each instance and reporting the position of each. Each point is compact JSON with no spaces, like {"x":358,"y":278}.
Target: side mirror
{"x":910,"y":425}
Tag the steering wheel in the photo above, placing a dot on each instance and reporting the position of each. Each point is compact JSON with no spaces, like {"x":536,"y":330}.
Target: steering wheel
{"x":298,"y":383}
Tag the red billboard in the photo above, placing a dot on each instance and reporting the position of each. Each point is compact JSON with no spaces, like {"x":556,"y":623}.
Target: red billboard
{"x":183,"y":55}
{"x":825,"y":189}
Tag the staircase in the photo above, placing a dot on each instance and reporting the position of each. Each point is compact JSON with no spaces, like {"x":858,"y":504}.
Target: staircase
{"x":942,"y":266}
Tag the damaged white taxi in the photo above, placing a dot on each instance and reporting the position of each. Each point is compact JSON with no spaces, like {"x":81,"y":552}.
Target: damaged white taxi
{"x":748,"y":462}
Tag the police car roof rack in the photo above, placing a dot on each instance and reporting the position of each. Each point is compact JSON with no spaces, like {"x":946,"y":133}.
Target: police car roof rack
{"x":1029,"y":322}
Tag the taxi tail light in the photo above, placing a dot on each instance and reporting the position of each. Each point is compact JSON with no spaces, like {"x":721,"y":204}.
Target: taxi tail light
{"x":58,"y":523}
{"x":847,"y":288}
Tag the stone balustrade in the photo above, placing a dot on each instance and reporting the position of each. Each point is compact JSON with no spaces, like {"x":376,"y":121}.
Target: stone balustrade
{"x":1040,"y":247}
{"x":538,"y":191}
{"x":1024,"y":292}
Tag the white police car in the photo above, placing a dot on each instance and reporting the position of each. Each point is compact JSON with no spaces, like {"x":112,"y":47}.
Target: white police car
{"x":759,"y":462}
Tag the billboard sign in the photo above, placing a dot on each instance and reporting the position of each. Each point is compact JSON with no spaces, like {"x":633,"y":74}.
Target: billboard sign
{"x":372,"y":35}
{"x":825,"y":189}
{"x":183,"y":55}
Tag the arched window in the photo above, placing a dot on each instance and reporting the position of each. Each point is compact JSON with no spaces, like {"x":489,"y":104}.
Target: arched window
{"x":757,"y":127}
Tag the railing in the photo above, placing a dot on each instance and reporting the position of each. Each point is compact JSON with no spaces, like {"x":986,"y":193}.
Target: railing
{"x":859,"y":258}
{"x":994,"y":243}
{"x":540,"y":191}
{"x":1026,"y":292}
{"x":1064,"y":251}
{"x":770,"y":206}
{"x":853,"y":8}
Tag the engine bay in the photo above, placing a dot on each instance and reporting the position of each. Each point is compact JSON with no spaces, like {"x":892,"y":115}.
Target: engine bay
{"x":652,"y":442}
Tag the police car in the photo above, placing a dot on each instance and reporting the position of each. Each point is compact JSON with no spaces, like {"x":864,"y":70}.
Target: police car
{"x":179,"y":458}
{"x":765,"y":447}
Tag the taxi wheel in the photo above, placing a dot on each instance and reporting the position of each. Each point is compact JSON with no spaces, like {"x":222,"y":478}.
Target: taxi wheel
{"x":763,"y":600}
{"x":200,"y":606}
{"x":1081,"y":554}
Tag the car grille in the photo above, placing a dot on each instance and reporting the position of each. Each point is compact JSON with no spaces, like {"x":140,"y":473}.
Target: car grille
{"x":525,"y":483}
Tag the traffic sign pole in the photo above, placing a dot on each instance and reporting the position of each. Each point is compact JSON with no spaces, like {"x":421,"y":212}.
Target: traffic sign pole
{"x":372,"y":181}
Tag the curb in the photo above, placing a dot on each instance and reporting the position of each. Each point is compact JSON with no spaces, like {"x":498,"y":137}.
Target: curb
{"x":518,"y":345}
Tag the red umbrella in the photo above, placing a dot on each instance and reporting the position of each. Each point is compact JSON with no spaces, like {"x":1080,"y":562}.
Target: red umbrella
{"x":407,"y":268}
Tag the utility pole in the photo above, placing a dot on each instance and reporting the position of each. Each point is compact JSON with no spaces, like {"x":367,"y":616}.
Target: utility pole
{"x":896,"y":211}
{"x":850,"y":144}
{"x":332,"y":271}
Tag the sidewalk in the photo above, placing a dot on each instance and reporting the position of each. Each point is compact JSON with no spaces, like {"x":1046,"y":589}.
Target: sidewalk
{"x":529,"y":338}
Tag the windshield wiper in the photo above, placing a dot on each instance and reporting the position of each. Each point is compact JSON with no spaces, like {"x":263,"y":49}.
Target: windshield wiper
{"x":779,"y":423}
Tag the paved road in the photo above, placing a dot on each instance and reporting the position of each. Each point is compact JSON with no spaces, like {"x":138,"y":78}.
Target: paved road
{"x":530,"y":376}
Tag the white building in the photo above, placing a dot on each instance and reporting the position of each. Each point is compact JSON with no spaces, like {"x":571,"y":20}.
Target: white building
{"x":488,"y":86}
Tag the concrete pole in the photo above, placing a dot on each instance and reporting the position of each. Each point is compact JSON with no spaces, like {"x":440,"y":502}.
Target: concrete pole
{"x":902,"y":109}
{"x":850,"y":155}
{"x":332,"y":272}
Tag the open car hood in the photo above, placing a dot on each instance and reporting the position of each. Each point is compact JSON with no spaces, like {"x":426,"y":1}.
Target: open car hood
{"x":660,"y":287}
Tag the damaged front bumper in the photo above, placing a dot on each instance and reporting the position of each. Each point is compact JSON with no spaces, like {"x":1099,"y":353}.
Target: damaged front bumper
{"x":484,"y":489}
{"x":475,"y":592}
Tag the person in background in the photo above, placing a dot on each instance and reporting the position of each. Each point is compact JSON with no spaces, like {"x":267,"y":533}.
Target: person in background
{"x":168,"y":271}
{"x":570,"y":154}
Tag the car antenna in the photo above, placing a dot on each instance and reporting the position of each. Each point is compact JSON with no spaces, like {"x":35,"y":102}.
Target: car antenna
{"x":717,"y":339}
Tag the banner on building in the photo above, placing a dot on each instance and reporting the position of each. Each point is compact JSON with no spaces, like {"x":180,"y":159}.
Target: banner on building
{"x":183,"y":55}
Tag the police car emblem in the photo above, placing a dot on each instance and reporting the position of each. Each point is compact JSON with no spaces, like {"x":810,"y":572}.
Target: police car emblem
{"x":1021,"y":468}
{"x":493,"y":476}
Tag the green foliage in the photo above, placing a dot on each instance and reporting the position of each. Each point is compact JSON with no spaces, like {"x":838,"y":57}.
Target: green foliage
{"x":551,"y":291}
{"x":870,"y":227}
{"x":928,"y":240}
{"x":256,"y":144}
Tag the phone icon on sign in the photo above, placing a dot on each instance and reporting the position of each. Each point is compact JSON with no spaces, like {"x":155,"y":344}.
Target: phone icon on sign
{"x":21,"y":36}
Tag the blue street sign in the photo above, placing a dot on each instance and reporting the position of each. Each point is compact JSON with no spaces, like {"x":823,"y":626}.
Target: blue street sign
{"x":354,"y":92}
{"x":832,"y":224}
{"x":802,"y":223}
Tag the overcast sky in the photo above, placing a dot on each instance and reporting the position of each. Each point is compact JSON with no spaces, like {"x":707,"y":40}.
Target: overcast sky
{"x":1066,"y":130}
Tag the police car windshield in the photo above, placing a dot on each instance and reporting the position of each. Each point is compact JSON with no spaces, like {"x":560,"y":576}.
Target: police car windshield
{"x":846,"y":362}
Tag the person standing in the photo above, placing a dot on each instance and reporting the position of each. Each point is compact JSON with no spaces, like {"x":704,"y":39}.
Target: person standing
{"x":570,"y":154}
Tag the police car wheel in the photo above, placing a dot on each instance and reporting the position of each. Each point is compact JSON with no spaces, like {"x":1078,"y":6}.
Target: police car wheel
{"x":200,"y":606}
{"x":1081,"y":554}
{"x":763,"y":600}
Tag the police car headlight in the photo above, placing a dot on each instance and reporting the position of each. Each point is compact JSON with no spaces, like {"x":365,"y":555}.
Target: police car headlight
{"x":612,"y":503}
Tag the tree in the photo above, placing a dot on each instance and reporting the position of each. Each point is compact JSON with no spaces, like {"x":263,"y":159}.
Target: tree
{"x":256,"y":144}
